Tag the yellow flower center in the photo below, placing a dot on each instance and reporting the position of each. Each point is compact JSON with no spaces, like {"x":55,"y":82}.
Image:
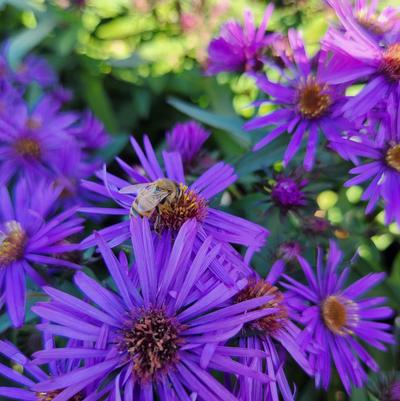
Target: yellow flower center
{"x":28,"y":147}
{"x":393,"y":157}
{"x":313,"y":100}
{"x":12,"y":243}
{"x":172,"y":215}
{"x":339,"y":314}
{"x":49,"y":396}
{"x":391,"y":62}
{"x":259,"y":288}
{"x":371,"y":23}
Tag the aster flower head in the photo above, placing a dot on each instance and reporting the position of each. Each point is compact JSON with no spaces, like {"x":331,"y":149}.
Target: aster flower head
{"x":30,"y":233}
{"x":373,"y":21}
{"x":287,"y":191}
{"x":306,"y":105}
{"x":71,"y":169}
{"x":239,"y":48}
{"x":187,"y":139}
{"x":276,"y":335}
{"x":22,"y":383}
{"x":90,"y":132}
{"x":30,"y":140}
{"x":338,"y":318}
{"x":378,"y":160}
{"x":35,"y":69}
{"x":158,"y":333}
{"x":357,"y":54}
{"x":185,"y":202}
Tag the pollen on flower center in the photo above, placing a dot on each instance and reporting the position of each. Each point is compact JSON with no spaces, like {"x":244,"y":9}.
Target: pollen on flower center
{"x":49,"y":396}
{"x":313,"y":101}
{"x":12,"y":243}
{"x":393,"y":157}
{"x":371,"y":23}
{"x":152,"y":342}
{"x":28,"y":147}
{"x":339,"y":314}
{"x":187,"y":205}
{"x":391,"y":62}
{"x":259,"y":288}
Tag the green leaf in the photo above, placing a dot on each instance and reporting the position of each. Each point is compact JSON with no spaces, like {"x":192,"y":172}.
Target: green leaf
{"x":25,"y":41}
{"x":99,"y":102}
{"x":231,"y":124}
{"x":117,"y":143}
{"x":266,"y":157}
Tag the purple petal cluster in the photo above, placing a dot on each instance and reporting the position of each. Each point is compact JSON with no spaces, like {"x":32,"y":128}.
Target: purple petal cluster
{"x":193,"y":203}
{"x":167,"y":305}
{"x":338,"y":318}
{"x":156,"y":331}
{"x":187,"y":139}
{"x":31,"y":233}
{"x":240,"y":48}
{"x":304,"y":104}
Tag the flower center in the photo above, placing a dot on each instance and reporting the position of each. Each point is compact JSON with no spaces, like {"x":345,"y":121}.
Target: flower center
{"x":287,"y":193}
{"x":313,"y":100}
{"x":186,"y":205}
{"x":259,"y":288}
{"x":28,"y":147}
{"x":391,"y":62}
{"x":152,"y":342}
{"x":339,"y":314}
{"x":371,"y":23}
{"x":393,"y":157}
{"x":49,"y":396}
{"x":12,"y":243}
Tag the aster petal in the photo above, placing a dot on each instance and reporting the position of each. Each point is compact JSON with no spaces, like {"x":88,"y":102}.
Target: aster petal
{"x":17,"y":394}
{"x":275,"y":133}
{"x":174,"y":166}
{"x":363,"y":285}
{"x":214,"y":180}
{"x":16,"y":293}
{"x":295,"y":142}
{"x":77,"y":376}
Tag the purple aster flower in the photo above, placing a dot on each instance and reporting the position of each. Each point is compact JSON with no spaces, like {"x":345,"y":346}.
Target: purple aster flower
{"x":359,"y":55}
{"x":30,"y":233}
{"x":240,"y":48}
{"x":22,"y":388}
{"x":187,"y":139}
{"x":276,"y":335}
{"x":287,"y":191}
{"x":161,"y":335}
{"x":35,"y":69}
{"x":192,"y":201}
{"x":336,"y":318}
{"x":90,"y":133}
{"x":305,"y":104}
{"x":30,"y":140}
{"x":375,"y":22}
{"x":72,"y":168}
{"x":379,"y":163}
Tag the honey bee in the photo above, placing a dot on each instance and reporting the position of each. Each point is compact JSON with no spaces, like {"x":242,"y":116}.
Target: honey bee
{"x":151,"y":195}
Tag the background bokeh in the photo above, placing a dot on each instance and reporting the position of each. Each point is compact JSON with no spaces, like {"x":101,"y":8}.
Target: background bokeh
{"x":139,"y":65}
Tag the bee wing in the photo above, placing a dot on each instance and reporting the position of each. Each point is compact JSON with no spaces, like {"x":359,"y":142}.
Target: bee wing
{"x":134,"y":189}
{"x":149,"y":199}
